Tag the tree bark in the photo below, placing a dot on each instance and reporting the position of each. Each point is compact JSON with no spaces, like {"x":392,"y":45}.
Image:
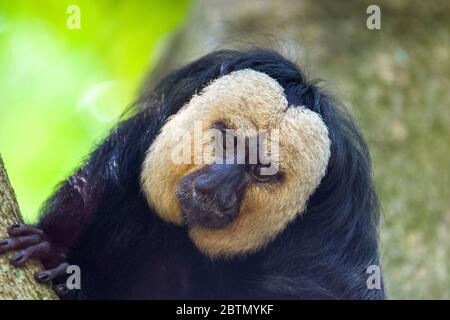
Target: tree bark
{"x":16,"y":283}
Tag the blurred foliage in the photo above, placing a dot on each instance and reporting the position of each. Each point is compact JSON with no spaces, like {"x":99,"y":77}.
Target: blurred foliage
{"x":62,"y":89}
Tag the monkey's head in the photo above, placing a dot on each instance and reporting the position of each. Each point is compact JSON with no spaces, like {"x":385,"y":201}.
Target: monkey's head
{"x":236,"y":164}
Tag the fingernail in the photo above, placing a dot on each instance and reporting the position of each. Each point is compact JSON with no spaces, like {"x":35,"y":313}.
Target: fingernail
{"x":4,"y":242}
{"x":43,"y":276}
{"x":17,"y":257}
{"x":61,"y":289}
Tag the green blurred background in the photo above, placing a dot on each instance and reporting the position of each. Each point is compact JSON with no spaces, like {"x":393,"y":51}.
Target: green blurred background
{"x":61,"y":90}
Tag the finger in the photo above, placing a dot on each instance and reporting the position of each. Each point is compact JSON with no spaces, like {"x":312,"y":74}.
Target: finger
{"x":61,"y":289}
{"x":48,"y":275}
{"x":41,"y":249}
{"x":18,"y":243}
{"x":23,"y":230}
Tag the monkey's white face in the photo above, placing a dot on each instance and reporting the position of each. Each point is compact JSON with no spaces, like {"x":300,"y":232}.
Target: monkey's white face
{"x":249,"y":102}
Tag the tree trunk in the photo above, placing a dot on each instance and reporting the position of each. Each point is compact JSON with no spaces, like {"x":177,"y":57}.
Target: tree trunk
{"x":16,"y":283}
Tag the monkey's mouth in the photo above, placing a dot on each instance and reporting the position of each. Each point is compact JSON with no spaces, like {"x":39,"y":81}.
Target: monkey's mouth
{"x":203,"y":210}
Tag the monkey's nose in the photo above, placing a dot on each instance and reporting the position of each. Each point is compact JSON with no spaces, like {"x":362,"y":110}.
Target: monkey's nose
{"x":218,"y":176}
{"x":206,"y":183}
{"x":220,"y":182}
{"x":222,"y":193}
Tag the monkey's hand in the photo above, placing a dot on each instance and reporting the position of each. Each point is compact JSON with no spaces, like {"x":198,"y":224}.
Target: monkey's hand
{"x":32,"y":244}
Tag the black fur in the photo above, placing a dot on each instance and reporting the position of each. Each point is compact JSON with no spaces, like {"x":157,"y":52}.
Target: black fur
{"x":100,"y":217}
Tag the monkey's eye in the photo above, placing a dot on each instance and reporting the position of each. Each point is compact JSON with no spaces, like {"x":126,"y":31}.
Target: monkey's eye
{"x":259,"y":175}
